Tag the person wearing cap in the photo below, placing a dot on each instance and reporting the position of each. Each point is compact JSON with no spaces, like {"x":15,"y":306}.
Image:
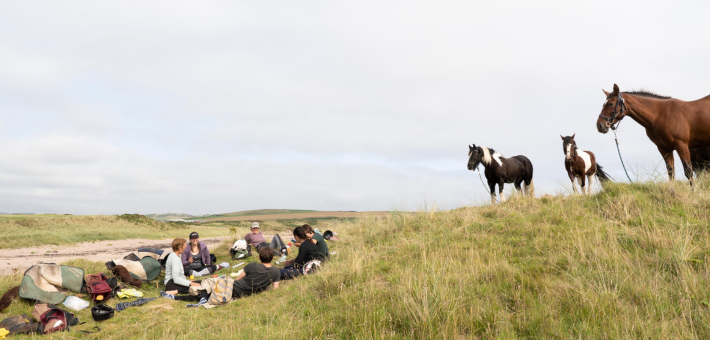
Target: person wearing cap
{"x":196,"y":258}
{"x":256,"y":238}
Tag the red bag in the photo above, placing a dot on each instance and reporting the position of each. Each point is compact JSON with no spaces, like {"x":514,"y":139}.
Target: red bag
{"x":96,"y":286}
{"x":52,"y":319}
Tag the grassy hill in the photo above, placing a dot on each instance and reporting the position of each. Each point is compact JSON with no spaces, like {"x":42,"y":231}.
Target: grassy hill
{"x":632,"y":262}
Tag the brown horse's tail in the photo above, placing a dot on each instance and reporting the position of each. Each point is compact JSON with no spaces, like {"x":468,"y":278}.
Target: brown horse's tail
{"x":7,"y":298}
{"x":603,"y":176}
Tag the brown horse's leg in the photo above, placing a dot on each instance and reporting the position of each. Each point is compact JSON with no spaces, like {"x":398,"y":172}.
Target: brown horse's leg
{"x":684,"y":155}
{"x":668,"y":158}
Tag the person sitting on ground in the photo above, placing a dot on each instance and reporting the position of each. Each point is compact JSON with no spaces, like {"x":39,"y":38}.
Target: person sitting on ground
{"x":307,"y":252}
{"x":175,"y":280}
{"x":318,"y":240}
{"x":257,"y":277}
{"x":196,"y":258}
{"x":256,"y":238}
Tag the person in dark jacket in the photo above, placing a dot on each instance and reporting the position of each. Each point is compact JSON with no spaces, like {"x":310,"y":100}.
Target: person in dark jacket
{"x":316,"y":239}
{"x":196,"y":258}
{"x":306,"y":253}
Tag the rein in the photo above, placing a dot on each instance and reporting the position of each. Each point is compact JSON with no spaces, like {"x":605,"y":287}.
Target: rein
{"x":621,"y":159}
{"x":484,"y":185}
{"x":619,"y":108}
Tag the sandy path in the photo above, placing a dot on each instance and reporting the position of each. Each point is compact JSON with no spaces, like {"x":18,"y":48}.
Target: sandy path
{"x":23,"y":258}
{"x":104,"y":251}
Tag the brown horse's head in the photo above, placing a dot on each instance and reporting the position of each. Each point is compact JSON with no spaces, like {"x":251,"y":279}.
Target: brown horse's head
{"x":613,"y":110}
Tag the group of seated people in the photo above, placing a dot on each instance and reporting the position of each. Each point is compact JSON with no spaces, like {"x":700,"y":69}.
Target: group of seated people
{"x":193,"y":258}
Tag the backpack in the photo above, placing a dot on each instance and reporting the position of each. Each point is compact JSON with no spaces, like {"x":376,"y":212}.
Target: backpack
{"x":53,"y":319}
{"x":311,"y":267}
{"x":239,"y":249}
{"x":97,"y":285}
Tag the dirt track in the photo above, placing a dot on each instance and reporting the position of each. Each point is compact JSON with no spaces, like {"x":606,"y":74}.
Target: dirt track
{"x":20,"y":259}
{"x":23,"y":258}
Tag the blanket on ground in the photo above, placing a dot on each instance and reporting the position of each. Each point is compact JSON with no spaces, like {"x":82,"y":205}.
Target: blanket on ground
{"x":50,"y":283}
{"x":146,"y":269}
{"x":219,"y":288}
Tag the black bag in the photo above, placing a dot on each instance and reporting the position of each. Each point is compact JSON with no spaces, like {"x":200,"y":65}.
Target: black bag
{"x":213,"y":259}
{"x":102,"y":312}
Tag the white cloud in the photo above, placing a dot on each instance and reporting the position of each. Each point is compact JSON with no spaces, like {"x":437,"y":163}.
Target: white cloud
{"x":134,"y":106}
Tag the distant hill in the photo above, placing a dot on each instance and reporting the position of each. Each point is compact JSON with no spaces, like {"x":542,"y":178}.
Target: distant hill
{"x":284,"y":214}
{"x":266,"y":214}
{"x":253,"y":213}
{"x":169,"y":216}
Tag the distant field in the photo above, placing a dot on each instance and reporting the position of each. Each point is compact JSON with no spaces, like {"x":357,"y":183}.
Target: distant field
{"x":290,"y":215}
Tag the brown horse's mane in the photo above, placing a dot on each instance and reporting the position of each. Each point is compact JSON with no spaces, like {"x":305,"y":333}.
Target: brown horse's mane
{"x":646,"y":93}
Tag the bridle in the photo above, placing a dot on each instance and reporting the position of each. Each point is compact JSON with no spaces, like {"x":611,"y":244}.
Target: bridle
{"x":619,"y":108}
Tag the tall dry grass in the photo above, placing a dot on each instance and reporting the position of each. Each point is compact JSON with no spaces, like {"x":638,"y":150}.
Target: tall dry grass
{"x":628,"y":263}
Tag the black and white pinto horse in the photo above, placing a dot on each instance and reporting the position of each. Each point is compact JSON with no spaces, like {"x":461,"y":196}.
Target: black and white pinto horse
{"x":500,"y":170}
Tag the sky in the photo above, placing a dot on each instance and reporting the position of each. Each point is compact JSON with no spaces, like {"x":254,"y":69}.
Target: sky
{"x":219,"y":106}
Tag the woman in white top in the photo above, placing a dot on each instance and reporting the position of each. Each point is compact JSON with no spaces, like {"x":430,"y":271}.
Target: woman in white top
{"x":175,"y":280}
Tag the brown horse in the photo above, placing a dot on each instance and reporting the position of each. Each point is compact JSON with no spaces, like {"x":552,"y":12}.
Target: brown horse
{"x":700,"y":158}
{"x":671,"y":124}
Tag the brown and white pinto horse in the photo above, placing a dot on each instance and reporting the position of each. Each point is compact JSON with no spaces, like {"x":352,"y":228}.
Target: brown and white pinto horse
{"x":581,"y":164}
{"x":500,"y":170}
{"x":671,"y":124}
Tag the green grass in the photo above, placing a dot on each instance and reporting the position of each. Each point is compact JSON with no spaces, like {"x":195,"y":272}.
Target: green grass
{"x":629,"y":263}
{"x":19,"y":231}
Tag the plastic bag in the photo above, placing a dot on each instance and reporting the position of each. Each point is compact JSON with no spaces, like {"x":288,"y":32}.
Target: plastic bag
{"x":74,"y":303}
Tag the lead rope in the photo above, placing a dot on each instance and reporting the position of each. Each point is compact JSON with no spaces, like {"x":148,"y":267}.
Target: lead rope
{"x":619,"y":151}
{"x":484,"y":185}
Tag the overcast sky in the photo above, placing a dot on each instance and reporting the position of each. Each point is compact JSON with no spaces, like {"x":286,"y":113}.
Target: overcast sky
{"x":220,"y":106}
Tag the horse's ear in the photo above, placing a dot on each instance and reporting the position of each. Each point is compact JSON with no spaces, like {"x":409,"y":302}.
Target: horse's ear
{"x":605,"y":93}
{"x":563,"y":138}
{"x":616,"y":89}
{"x":573,"y":135}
